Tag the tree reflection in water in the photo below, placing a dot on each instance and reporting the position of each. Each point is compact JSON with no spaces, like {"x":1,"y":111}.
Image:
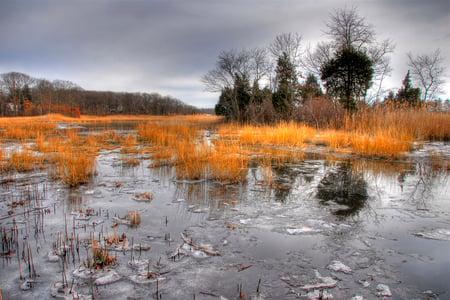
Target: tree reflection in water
{"x":342,"y":186}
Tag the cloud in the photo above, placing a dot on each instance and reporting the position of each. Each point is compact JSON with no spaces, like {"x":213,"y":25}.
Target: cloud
{"x":165,"y":46}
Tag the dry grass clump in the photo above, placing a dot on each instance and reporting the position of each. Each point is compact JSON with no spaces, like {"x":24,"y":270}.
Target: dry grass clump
{"x":100,"y":256}
{"x":193,"y":156}
{"x":20,"y":160}
{"x":422,"y":123}
{"x":286,"y":134}
{"x":129,"y":144}
{"x":165,"y":134}
{"x":72,"y":157}
{"x":129,"y":150}
{"x":74,"y":167}
{"x":335,"y":139}
{"x":191,"y":159}
{"x":228,"y":161}
{"x":22,"y":131}
{"x":432,"y":125}
{"x":388,"y":143}
{"x":24,"y":160}
{"x":134,"y":218}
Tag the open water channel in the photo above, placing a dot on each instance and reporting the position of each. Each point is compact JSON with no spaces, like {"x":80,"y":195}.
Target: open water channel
{"x":327,"y":228}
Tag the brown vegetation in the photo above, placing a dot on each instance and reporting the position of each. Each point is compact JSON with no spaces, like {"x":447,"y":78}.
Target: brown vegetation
{"x":202,"y":147}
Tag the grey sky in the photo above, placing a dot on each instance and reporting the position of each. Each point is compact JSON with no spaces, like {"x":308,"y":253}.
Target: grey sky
{"x":165,"y":46}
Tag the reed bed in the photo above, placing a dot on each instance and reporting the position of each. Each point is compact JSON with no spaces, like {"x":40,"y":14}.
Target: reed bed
{"x":224,"y":152}
{"x":20,"y":160}
{"x":228,"y":161}
{"x":17,"y":131}
{"x":165,"y":134}
{"x":387,"y":143}
{"x":421,"y":123}
{"x":74,"y":167}
{"x":287,"y":134}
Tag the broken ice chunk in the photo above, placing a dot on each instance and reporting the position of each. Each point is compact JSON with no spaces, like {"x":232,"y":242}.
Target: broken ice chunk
{"x":323,"y":282}
{"x":435,"y":234}
{"x":302,"y":230}
{"x":365,"y":283}
{"x":320,"y":294}
{"x":338,"y":266}
{"x":106,"y":277}
{"x":383,"y":290}
{"x":245,"y":221}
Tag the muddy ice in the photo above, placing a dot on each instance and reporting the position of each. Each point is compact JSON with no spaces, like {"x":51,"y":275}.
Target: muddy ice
{"x":343,"y":229}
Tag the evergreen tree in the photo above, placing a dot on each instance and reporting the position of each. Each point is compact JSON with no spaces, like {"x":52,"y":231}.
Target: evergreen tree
{"x":348,"y":76}
{"x":407,"y":93}
{"x":311,"y":88}
{"x":234,"y":101}
{"x":243,"y":95}
{"x":287,"y":92}
{"x":223,"y":107}
{"x":390,"y":96}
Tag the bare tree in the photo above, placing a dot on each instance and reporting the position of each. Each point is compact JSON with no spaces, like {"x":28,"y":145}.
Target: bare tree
{"x":314,"y":59}
{"x":382,"y":64}
{"x":15,"y":83}
{"x":237,"y":75}
{"x":229,"y":65}
{"x":349,"y":30}
{"x":251,"y":64}
{"x":428,"y":71}
{"x":289,"y":44}
{"x":45,"y":93}
{"x":260,"y":65}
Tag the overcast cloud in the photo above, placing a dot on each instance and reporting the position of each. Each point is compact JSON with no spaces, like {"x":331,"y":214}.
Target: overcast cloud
{"x":165,"y":46}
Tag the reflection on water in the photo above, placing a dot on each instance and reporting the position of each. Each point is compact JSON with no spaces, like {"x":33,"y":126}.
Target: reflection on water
{"x":343,"y":186}
{"x":276,"y":234}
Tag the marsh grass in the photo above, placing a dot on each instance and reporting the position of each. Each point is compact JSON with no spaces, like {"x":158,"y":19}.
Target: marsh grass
{"x":22,"y":132}
{"x":20,"y":160}
{"x":203,"y":147}
{"x":24,"y":160}
{"x":228,"y":161}
{"x":286,"y":134}
{"x":191,"y":159}
{"x":387,"y":143}
{"x":129,"y":151}
{"x":100,"y":256}
{"x":74,"y":167}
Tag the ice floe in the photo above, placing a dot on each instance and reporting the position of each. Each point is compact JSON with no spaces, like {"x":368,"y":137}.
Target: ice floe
{"x":101,"y":277}
{"x":435,"y":234}
{"x":384,"y":290}
{"x":302,"y":230}
{"x":322,"y":282}
{"x":320,"y":294}
{"x":338,"y":266}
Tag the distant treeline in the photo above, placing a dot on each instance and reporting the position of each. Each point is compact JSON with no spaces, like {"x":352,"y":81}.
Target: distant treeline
{"x":22,"y":95}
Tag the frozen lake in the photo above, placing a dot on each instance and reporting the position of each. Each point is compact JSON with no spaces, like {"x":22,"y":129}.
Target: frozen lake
{"x":328,"y":227}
